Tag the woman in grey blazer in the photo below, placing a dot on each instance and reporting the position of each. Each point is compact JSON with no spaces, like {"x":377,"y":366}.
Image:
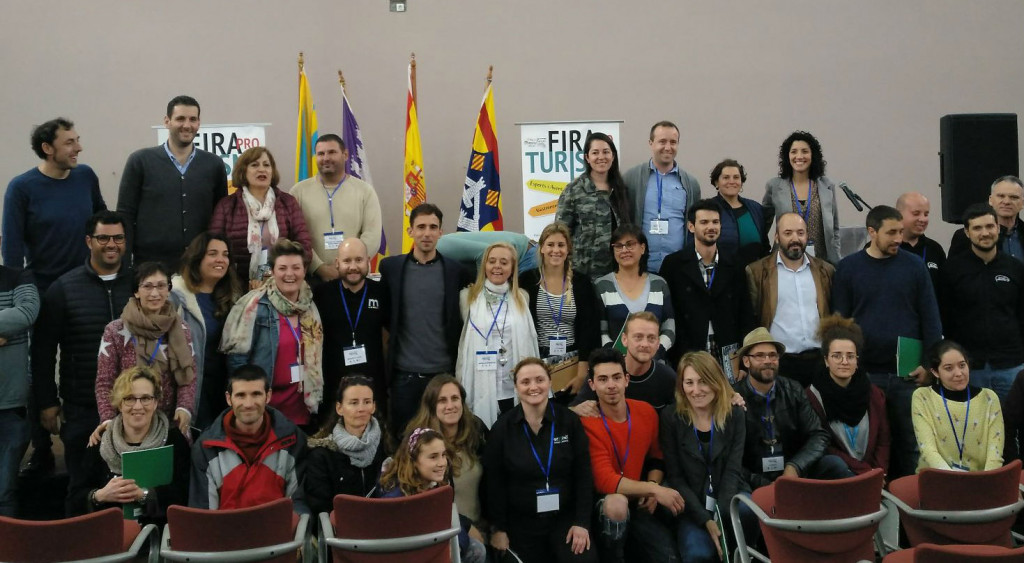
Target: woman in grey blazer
{"x":803,"y":188}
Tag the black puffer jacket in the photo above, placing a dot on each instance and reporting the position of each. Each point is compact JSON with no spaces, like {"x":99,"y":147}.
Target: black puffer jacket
{"x":75,"y":310}
{"x":329,"y":472}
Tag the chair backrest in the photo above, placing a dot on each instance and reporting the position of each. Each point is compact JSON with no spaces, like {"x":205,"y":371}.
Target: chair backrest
{"x":931,"y":553}
{"x":200,"y":530}
{"x":82,"y":537}
{"x":819,"y":500}
{"x":361,"y":518}
{"x":954,"y":491}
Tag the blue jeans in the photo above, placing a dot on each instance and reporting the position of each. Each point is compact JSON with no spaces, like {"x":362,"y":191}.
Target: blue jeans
{"x":14,"y":434}
{"x":695,"y":543}
{"x":899,"y":393}
{"x":406,"y":392}
{"x":996,"y":379}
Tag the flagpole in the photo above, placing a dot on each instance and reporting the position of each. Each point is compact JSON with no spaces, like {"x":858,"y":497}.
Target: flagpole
{"x":412,"y":77}
{"x":302,"y":62}
{"x":490,"y":74}
{"x":341,"y":80}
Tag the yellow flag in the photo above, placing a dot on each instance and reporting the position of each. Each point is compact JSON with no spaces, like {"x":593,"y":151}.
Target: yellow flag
{"x":415,"y":187}
{"x":306,"y":131}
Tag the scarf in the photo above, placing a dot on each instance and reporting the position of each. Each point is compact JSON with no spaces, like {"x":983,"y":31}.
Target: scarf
{"x":249,"y":444}
{"x":360,"y":450}
{"x":240,"y":324}
{"x":112,"y":443}
{"x":147,"y":328}
{"x":258,"y":213}
{"x":845,"y":404}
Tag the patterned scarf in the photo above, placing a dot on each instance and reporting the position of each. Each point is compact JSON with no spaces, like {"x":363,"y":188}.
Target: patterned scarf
{"x":241,"y":322}
{"x":147,"y":328}
{"x":258,"y":213}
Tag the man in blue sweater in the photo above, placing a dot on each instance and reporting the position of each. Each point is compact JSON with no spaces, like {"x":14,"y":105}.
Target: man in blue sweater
{"x":889,"y":291}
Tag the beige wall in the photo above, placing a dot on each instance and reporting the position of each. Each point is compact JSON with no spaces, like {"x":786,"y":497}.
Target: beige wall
{"x":869,"y":78}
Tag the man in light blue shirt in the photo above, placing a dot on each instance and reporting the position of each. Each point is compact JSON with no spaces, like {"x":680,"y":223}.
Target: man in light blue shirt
{"x":660,"y":193}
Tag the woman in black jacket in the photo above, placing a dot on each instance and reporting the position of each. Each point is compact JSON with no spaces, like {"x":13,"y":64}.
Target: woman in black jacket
{"x":702,"y":441}
{"x":345,"y":456}
{"x":564,"y":306}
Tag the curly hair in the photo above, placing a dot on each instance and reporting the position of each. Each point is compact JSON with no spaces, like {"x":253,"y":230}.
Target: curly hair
{"x":837,"y":327}
{"x":716,"y":172}
{"x":817,"y":168}
{"x":402,"y":471}
{"x":123,"y":384}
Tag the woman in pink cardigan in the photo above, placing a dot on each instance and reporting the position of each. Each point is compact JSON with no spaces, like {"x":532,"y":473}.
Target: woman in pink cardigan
{"x":256,"y":215}
{"x":149,"y":333}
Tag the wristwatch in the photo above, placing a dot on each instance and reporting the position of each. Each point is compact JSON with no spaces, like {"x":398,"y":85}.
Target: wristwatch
{"x":145,"y":496}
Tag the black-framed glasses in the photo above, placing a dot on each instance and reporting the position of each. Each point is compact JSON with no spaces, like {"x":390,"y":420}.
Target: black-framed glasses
{"x":765,"y":356}
{"x":145,"y":400}
{"x":104,"y":239}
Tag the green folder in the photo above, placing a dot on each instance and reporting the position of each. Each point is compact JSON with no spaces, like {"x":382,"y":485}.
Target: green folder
{"x":721,"y":538}
{"x":619,"y":344}
{"x":149,"y":468}
{"x":908,"y":355}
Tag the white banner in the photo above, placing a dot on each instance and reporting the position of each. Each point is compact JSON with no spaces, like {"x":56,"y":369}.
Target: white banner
{"x":226,"y":141}
{"x":552,"y":156}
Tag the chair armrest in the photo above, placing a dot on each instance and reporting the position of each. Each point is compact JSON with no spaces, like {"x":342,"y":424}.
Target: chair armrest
{"x":393,"y":545}
{"x":744,"y":550}
{"x":237,"y":556}
{"x":978,"y":516}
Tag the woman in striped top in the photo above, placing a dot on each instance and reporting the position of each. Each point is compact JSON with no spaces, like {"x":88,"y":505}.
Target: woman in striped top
{"x":563,"y":304}
{"x":630,"y":289}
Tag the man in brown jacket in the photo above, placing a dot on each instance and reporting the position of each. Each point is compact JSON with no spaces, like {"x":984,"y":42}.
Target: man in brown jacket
{"x":790,"y":293}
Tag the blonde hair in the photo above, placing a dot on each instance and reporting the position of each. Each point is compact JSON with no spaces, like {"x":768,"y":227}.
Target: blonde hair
{"x":123,"y":384}
{"x":402,"y":471}
{"x":556,"y":228}
{"x":513,"y":279}
{"x":711,"y":374}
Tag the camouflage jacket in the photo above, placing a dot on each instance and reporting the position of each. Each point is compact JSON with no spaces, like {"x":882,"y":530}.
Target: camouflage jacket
{"x":591,"y":218}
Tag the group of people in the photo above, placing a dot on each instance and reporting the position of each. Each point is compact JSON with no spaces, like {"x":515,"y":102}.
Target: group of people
{"x":661,"y":356}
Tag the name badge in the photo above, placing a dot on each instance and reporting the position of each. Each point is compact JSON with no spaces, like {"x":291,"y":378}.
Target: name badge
{"x":709,"y":503}
{"x":333,"y":240}
{"x":263,"y":255}
{"x":547,"y":500}
{"x":296,"y":373}
{"x":659,"y":227}
{"x":355,"y":355}
{"x":773,"y":463}
{"x":810,"y":249}
{"x":487,"y":360}
{"x":959,"y":467}
{"x":558,"y":345}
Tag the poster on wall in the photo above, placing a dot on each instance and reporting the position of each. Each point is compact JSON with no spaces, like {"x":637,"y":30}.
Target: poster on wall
{"x":552,"y":154}
{"x":228,"y":142}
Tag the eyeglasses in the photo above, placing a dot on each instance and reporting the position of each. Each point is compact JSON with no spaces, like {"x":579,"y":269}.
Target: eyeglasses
{"x":850,"y":357}
{"x":620,"y":246}
{"x":764,"y":356}
{"x":104,"y":239}
{"x":161,"y":286}
{"x":130,"y":400}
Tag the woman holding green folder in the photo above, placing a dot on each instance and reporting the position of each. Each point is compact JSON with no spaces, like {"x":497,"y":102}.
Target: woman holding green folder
{"x":138,"y":426}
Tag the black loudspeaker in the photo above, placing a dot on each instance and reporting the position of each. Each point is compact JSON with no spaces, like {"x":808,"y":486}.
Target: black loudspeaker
{"x":974,"y":150}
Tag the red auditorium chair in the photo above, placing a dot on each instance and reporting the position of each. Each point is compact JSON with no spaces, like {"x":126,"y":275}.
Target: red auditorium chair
{"x":814,"y":520}
{"x":269,"y":532}
{"x":100,"y":537}
{"x":931,"y":553}
{"x":958,"y":507}
{"x":420,"y":528}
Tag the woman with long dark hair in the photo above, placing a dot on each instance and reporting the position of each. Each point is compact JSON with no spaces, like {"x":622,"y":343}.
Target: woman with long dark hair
{"x":594,"y":204}
{"x":803,"y":188}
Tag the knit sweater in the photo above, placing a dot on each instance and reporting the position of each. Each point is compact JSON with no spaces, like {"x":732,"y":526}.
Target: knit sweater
{"x":615,"y":311}
{"x":19,"y":306}
{"x":164,"y":209}
{"x":937,"y":437}
{"x":355,"y":209}
{"x":44,"y":220}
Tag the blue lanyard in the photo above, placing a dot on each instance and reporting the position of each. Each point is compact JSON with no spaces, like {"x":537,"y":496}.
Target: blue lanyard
{"x":658,"y":179}
{"x":551,"y":449}
{"x":806,"y":212}
{"x":297,"y":333}
{"x":359,"y":312}
{"x":487,"y":336}
{"x":629,"y":435}
{"x":851,"y":435}
{"x":924,"y":255}
{"x":711,"y":278}
{"x":156,"y":349}
{"x":561,"y":303}
{"x":766,"y":424}
{"x":960,"y":443}
{"x":707,"y":456}
{"x":330,"y":198}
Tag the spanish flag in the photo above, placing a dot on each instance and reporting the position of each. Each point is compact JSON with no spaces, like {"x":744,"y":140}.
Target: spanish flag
{"x":306,"y":131}
{"x":415,"y":187}
{"x":481,"y":195}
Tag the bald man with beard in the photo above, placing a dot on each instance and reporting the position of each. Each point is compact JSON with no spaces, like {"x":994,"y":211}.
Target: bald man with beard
{"x":354,"y":311}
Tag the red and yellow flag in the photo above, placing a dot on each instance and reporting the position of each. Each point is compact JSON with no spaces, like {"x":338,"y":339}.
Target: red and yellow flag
{"x":415,"y":187}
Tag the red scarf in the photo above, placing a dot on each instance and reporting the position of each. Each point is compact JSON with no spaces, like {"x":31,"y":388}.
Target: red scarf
{"x":250,"y":444}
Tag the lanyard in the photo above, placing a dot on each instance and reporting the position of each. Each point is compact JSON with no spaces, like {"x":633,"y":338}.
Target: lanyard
{"x":551,"y":449}
{"x":806,"y":212}
{"x":851,"y":435}
{"x":707,"y":456}
{"x":767,"y":423}
{"x":960,"y":443}
{"x":561,"y":303}
{"x":156,"y":349}
{"x":924,"y":255}
{"x":487,"y":336}
{"x":330,"y":198}
{"x":297,"y":333}
{"x":629,"y":434}
{"x":658,"y":179}
{"x":711,"y":278}
{"x":359,"y":312}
